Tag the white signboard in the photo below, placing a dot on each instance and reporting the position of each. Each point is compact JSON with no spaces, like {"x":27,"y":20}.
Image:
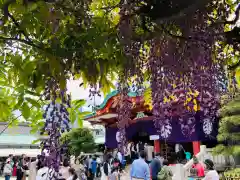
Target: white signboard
{"x":154,"y":137}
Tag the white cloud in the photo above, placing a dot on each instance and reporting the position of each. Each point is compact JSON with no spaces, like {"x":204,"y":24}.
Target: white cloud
{"x":81,"y":93}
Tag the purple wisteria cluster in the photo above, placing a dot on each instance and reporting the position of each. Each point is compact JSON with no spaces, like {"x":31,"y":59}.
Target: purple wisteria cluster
{"x":56,"y":122}
{"x":183,"y":61}
{"x":124,"y":115}
{"x":180,"y":67}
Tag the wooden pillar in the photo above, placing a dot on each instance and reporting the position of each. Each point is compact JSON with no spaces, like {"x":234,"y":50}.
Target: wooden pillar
{"x":196,"y":147}
{"x":156,"y":146}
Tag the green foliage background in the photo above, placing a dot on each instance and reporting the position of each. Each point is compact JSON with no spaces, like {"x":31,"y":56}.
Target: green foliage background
{"x":229,"y":128}
{"x":79,"y":140}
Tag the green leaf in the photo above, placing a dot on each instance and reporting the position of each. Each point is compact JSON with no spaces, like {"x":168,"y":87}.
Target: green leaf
{"x":33,"y":102}
{"x":80,"y":123}
{"x":78,"y":103}
{"x":32,"y":6}
{"x":32,"y":93}
{"x":20,"y":102}
{"x":25,"y":110}
{"x":82,"y":114}
{"x":36,"y":141}
{"x":19,"y":1}
{"x":73,"y":116}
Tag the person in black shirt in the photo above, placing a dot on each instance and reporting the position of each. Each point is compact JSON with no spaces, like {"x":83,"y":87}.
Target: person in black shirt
{"x":140,"y":146}
{"x":19,"y":169}
{"x":106,"y":168}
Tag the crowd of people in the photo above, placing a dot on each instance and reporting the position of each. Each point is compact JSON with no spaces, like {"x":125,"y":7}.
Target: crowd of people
{"x":144,"y":165}
{"x":16,"y":166}
{"x":23,"y":168}
{"x":84,"y":168}
{"x":159,"y":169}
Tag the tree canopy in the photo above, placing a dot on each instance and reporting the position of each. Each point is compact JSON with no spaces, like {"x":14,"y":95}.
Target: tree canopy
{"x":98,"y":41}
{"x":79,"y":140}
{"x":179,"y":46}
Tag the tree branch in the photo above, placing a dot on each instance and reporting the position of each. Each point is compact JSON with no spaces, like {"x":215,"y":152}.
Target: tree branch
{"x":189,"y":38}
{"x":184,"y":12}
{"x":22,"y":41}
{"x":18,"y":26}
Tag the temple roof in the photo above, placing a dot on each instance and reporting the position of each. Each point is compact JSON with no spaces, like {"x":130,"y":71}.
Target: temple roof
{"x":106,"y":99}
{"x":106,"y":112}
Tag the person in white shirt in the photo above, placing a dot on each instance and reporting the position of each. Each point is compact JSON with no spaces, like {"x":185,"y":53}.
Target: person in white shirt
{"x":44,"y":173}
{"x":32,"y":169}
{"x":149,"y":152}
{"x":119,"y":156}
{"x":64,"y":170}
{"x":7,"y":170}
{"x":120,"y":159}
{"x":114,"y":153}
{"x":127,"y":153}
{"x":211,"y":172}
{"x":179,"y":150}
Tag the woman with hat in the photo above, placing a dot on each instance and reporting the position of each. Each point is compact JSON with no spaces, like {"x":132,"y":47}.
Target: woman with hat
{"x":211,"y":172}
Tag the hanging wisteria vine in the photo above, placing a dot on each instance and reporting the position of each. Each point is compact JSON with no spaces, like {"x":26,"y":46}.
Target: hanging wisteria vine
{"x":124,"y":114}
{"x":186,"y":71}
{"x":56,"y":122}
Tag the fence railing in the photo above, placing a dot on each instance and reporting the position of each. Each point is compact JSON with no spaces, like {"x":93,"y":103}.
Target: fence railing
{"x":221,"y":162}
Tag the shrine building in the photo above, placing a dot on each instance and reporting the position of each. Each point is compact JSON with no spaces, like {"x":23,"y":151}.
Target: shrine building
{"x":190,"y":132}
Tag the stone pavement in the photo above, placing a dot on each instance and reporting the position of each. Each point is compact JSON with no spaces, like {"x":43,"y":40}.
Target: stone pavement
{"x":126,"y":174}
